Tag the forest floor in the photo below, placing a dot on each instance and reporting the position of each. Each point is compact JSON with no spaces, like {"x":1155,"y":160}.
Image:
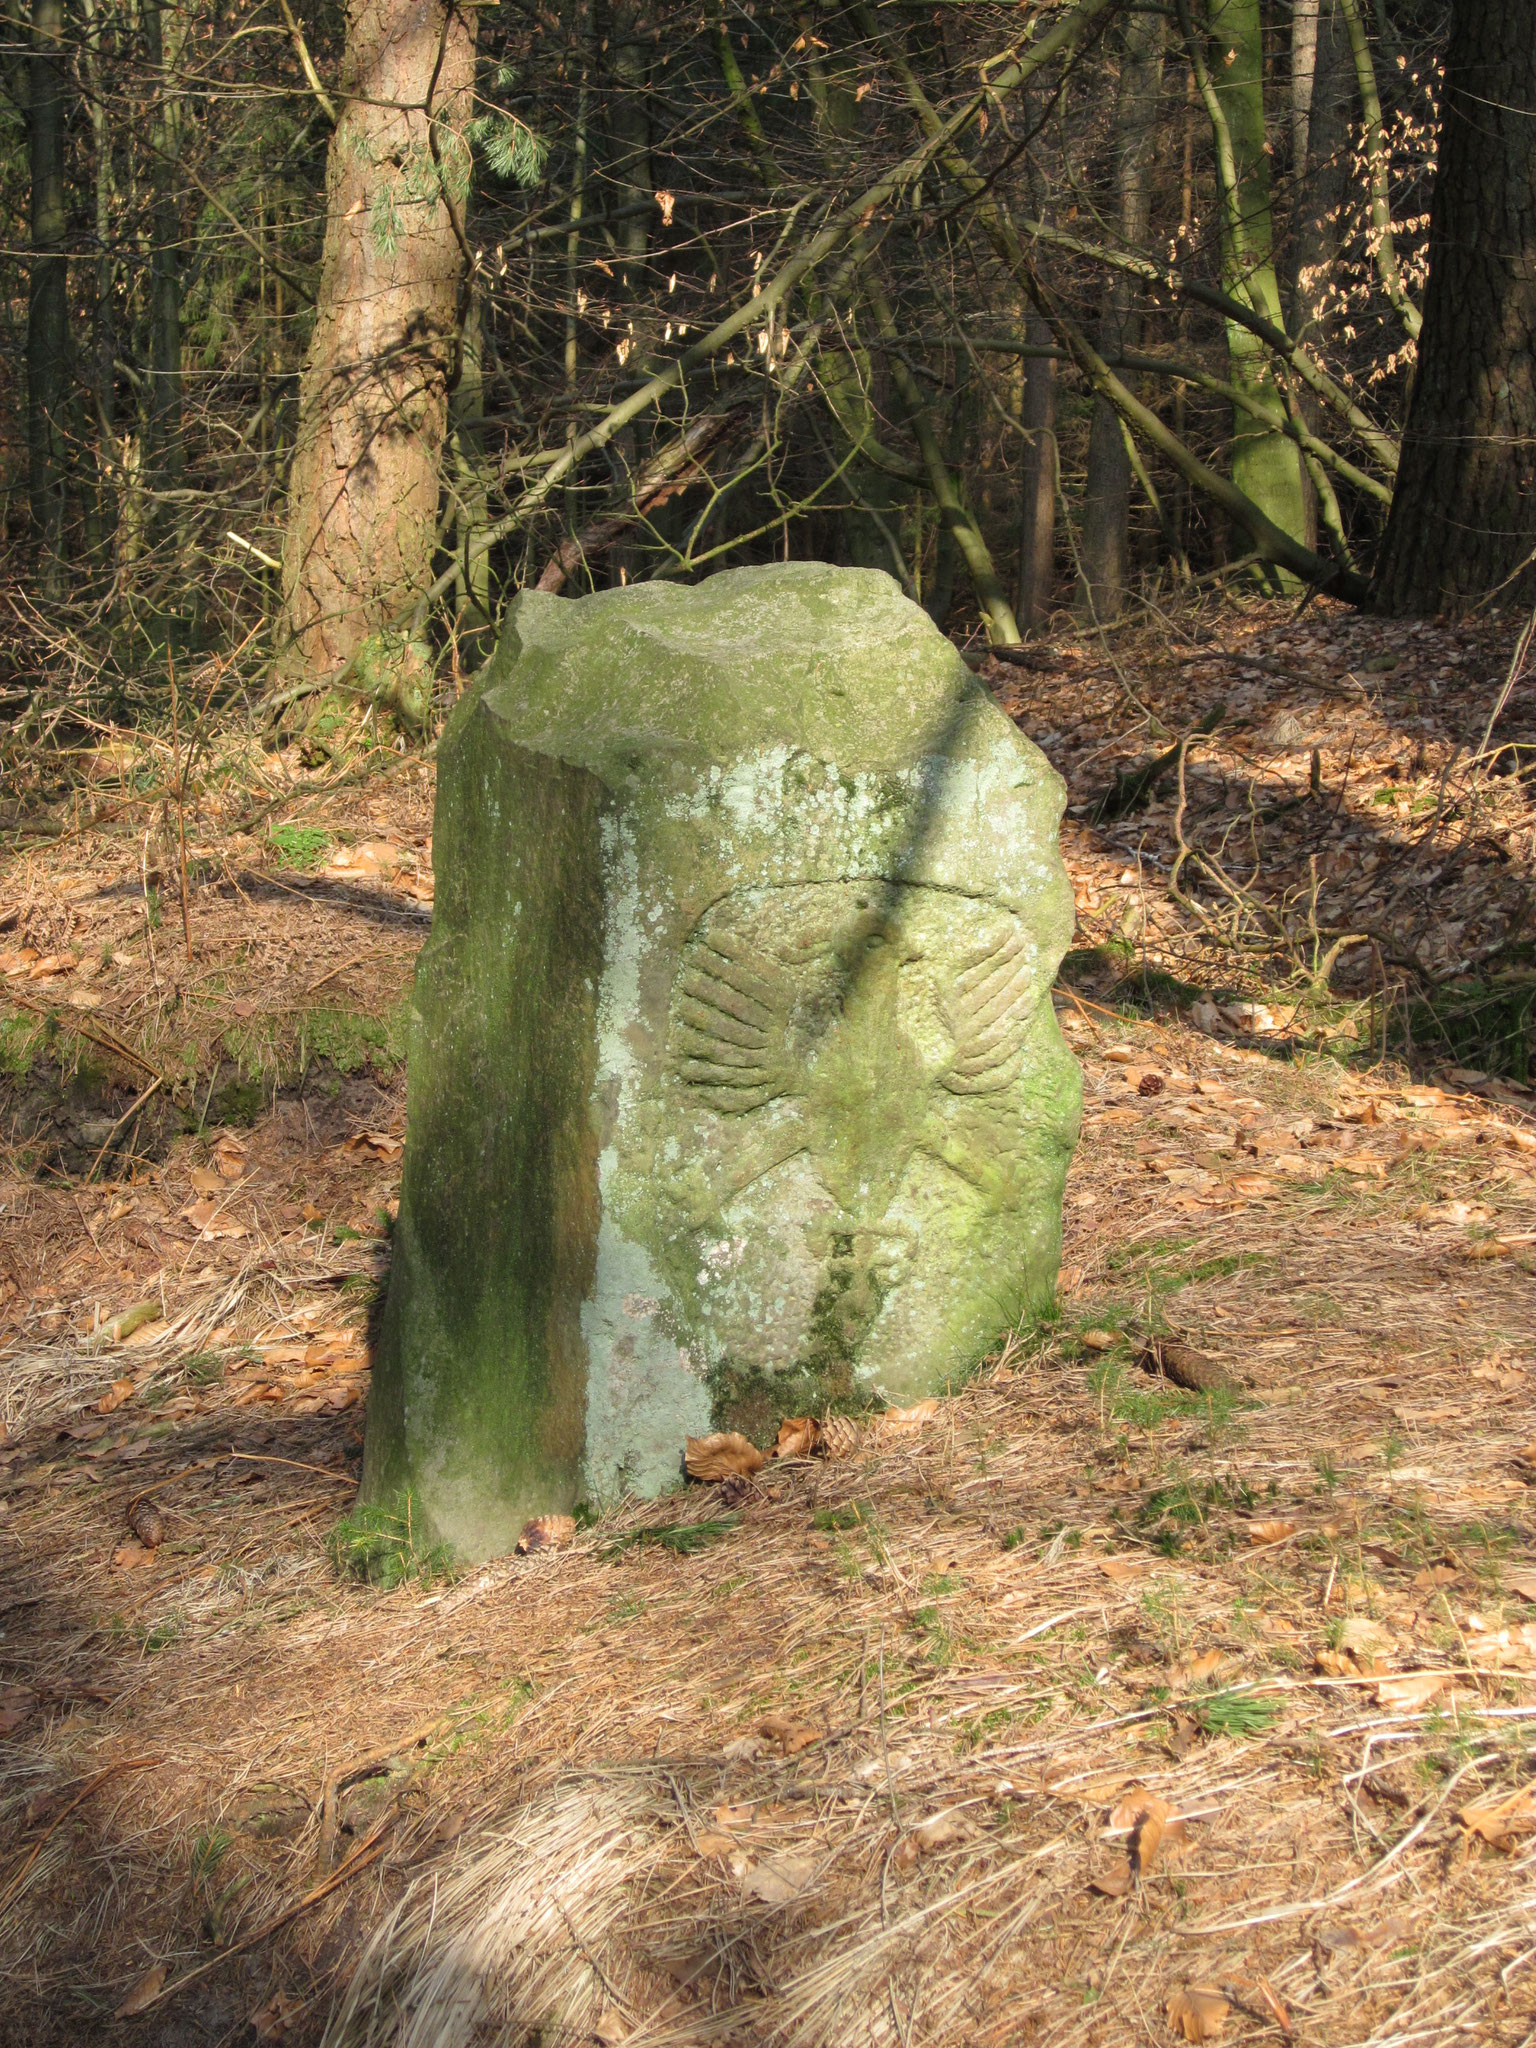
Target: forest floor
{"x":1083,"y":1711}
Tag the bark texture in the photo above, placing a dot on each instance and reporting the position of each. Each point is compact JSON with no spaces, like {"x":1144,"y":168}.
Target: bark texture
{"x":373,"y":402}
{"x":48,"y":301}
{"x":1107,"y":497}
{"x":1463,"y":519}
{"x":165,"y":32}
{"x":1037,"y":481}
{"x":1266,"y":467}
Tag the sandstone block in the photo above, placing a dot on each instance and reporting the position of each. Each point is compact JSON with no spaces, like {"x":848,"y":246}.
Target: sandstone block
{"x":735,"y":1087}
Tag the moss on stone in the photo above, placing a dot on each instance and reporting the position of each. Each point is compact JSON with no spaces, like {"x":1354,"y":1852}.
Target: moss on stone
{"x":735,"y":1085}
{"x":477,"y":1406}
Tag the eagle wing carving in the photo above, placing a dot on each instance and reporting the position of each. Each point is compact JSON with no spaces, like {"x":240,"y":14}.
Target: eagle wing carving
{"x":987,"y":1014}
{"x":731,"y":1025}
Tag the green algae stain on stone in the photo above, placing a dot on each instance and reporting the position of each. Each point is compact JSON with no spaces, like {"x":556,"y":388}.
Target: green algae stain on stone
{"x":737,"y":1089}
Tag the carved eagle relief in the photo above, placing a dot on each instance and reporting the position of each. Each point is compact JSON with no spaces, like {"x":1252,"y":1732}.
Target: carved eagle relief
{"x":861,"y":1009}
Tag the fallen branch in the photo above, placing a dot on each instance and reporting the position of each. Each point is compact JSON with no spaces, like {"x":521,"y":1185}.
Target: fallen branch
{"x":98,"y":1037}
{"x":669,"y":471}
{"x":363,"y":1854}
{"x":133,"y":1763}
{"x":1130,"y":788}
{"x":132,"y":1110}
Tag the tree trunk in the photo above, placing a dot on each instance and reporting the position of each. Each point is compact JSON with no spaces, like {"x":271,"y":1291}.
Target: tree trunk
{"x":165,"y":32}
{"x":48,"y":297}
{"x":1322,"y":105}
{"x":373,"y":401}
{"x":1107,"y":496}
{"x":1037,"y":481}
{"x":629,"y":139}
{"x":103,"y":513}
{"x":1266,"y":467}
{"x":1463,"y":518}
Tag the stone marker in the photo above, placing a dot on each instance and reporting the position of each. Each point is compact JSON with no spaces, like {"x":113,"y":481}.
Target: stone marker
{"x":735,"y":1087}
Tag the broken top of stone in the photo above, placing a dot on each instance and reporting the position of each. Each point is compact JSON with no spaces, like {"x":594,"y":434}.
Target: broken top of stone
{"x":735,"y":1088}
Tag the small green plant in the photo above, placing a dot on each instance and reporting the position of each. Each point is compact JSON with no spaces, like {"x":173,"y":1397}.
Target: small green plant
{"x":1392,"y":1449}
{"x":1235,"y":1712}
{"x":937,"y":1643}
{"x":853,"y":1514}
{"x":1326,"y":1470}
{"x":203,"y":1368}
{"x":384,"y":1546}
{"x":1015,"y":1539}
{"x":299,"y":846}
{"x":161,"y":1634}
{"x":208,"y":1853}
{"x":683,"y":1539}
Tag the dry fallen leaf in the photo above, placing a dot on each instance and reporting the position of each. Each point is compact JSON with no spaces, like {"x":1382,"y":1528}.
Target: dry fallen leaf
{"x":1413,"y":1689}
{"x":375,"y":1145}
{"x":726,"y":1455}
{"x":778,"y":1879}
{"x":143,"y":1993}
{"x":1270,"y":1532}
{"x":919,"y":1412}
{"x":1122,"y":1568}
{"x":1396,"y":1927}
{"x":1149,"y":1819}
{"x":728,"y":1817}
{"x":1523,"y":1583}
{"x":1365,"y":1639}
{"x":229,"y":1157}
{"x":1207,"y":1665}
{"x":797,"y":1437}
{"x":546,"y":1532}
{"x":927,"y":1839}
{"x":611,"y":2029}
{"x":1183,"y":1734}
{"x":128,"y":1556}
{"x":272,"y":2021}
{"x":788,"y":1737}
{"x":114,"y":1397}
{"x":1099,"y":1340}
{"x":716,"y":1845}
{"x":1335,"y":1664}
{"x":1198,"y":2012}
{"x":1114,"y":1880}
{"x":204,"y":1180}
{"x":206,"y":1217}
{"x":1501,"y":1821}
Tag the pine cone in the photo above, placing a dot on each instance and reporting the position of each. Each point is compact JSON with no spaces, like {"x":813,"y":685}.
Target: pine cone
{"x":839,"y":1436}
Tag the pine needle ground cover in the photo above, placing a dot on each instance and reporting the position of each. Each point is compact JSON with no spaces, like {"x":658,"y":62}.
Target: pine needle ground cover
{"x":1083,"y":1709}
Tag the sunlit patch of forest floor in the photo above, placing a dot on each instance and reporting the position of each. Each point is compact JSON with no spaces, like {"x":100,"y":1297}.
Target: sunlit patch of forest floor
{"x":1087,"y":1710}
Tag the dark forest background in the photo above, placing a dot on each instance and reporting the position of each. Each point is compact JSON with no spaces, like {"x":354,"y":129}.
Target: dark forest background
{"x":323,"y":332}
